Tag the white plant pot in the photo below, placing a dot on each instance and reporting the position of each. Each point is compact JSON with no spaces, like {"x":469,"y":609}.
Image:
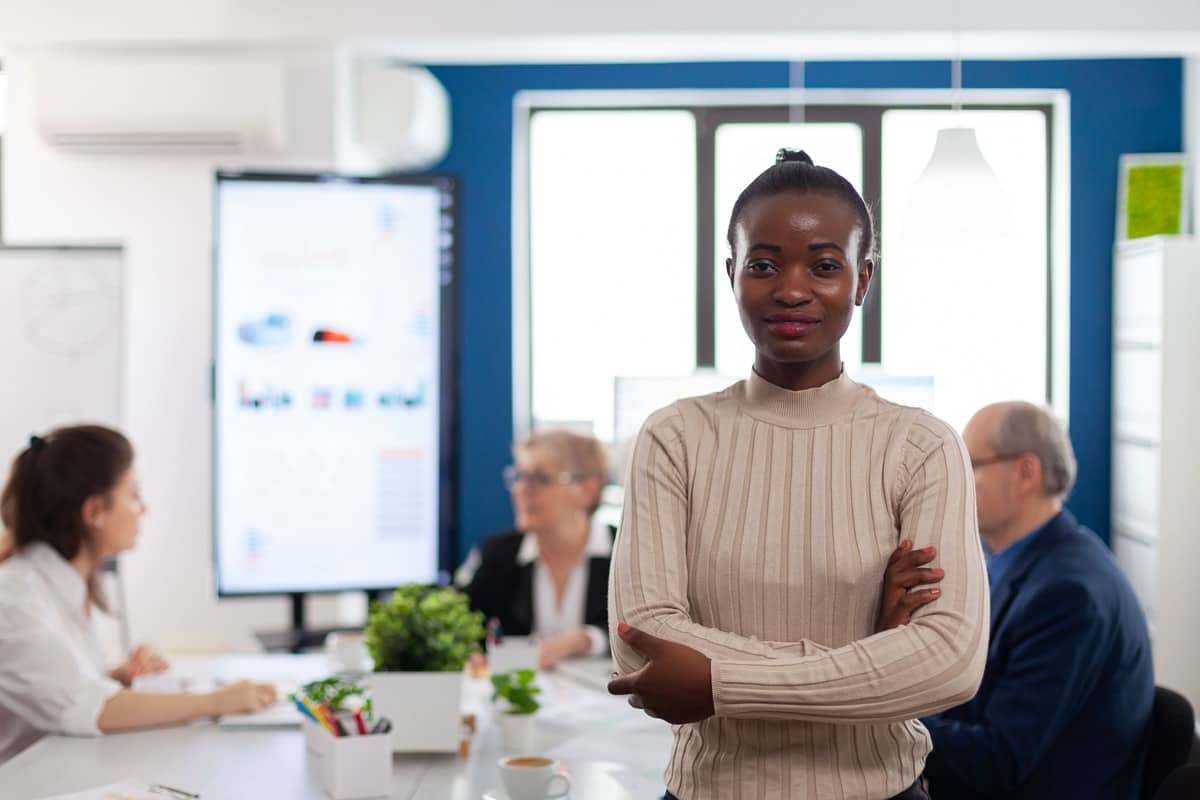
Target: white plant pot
{"x":517,"y":732}
{"x":425,"y":709}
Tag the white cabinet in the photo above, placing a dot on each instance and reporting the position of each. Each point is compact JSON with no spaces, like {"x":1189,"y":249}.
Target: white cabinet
{"x":1156,"y":445}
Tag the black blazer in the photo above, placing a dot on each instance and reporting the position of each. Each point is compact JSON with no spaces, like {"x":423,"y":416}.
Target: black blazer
{"x":503,"y":589}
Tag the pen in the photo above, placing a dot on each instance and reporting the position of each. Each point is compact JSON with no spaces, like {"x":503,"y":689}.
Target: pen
{"x":384,"y":725}
{"x":170,"y":791}
{"x":358,"y":721}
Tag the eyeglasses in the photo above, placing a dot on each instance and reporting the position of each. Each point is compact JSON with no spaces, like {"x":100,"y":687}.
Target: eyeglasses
{"x":976,"y":463}
{"x":513,"y":477}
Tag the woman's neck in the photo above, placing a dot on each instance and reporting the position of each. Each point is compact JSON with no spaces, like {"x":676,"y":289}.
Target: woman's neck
{"x":564,"y":545}
{"x":798,"y":376}
{"x":85,"y":563}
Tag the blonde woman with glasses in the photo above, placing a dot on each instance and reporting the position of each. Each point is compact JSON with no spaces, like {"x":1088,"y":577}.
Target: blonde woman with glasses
{"x":549,"y":577}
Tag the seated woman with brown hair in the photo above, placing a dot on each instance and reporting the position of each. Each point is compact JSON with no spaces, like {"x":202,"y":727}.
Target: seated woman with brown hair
{"x":549,"y":577}
{"x":72,"y":503}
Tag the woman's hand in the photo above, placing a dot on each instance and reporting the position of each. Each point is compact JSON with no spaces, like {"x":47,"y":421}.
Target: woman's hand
{"x":554,"y":649}
{"x":675,"y":684}
{"x":144,"y":660}
{"x":905,"y":571}
{"x":243,"y":697}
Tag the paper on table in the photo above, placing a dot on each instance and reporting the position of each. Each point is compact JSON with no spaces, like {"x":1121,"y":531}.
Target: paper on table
{"x":593,"y":672}
{"x":280,"y":715}
{"x":163,"y":682}
{"x":128,"y":789}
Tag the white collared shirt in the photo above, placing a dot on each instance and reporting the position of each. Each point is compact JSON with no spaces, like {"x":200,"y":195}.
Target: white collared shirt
{"x":52,"y":673}
{"x":550,"y":618}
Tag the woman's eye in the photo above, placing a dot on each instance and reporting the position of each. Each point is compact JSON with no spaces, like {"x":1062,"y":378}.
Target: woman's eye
{"x":759,"y":266}
{"x":828,"y":266}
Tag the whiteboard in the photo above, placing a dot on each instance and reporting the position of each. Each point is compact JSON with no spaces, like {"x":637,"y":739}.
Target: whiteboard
{"x":62,"y":328}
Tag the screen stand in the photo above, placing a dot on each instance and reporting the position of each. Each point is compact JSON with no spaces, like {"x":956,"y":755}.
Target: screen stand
{"x":300,"y":638}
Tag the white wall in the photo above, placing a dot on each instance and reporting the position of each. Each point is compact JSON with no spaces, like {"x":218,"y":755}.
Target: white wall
{"x":1191,"y":131}
{"x":161,"y":209}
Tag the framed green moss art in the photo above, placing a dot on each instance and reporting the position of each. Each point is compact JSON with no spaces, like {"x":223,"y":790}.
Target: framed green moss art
{"x":1152,"y":196}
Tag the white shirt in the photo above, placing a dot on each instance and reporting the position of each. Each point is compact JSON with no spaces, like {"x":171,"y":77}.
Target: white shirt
{"x":52,"y":673}
{"x":549,"y":618}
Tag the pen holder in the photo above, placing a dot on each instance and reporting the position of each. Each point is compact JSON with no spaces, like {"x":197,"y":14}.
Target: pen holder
{"x":358,"y":766}
{"x":316,"y":738}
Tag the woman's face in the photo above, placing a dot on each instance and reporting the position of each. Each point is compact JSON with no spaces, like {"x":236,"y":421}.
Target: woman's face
{"x":115,"y":519}
{"x":542,"y":501}
{"x":796,"y":277}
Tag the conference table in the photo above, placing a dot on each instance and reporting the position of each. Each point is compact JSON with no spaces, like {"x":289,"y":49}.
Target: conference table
{"x":612,"y":751}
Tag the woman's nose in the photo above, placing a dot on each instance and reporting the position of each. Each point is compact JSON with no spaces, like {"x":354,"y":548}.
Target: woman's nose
{"x":793,"y":288}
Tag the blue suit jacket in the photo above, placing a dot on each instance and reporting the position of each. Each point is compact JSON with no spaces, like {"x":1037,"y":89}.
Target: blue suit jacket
{"x":1065,"y":701}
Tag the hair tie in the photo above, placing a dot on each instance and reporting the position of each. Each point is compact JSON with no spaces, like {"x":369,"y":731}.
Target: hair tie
{"x":788,"y":155}
{"x":36,"y":442}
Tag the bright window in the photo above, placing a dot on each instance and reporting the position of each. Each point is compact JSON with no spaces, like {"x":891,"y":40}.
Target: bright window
{"x":971,"y":314}
{"x":612,"y":214}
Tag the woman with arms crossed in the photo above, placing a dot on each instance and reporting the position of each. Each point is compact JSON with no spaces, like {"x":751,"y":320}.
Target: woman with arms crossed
{"x":71,"y":503}
{"x":758,"y":524}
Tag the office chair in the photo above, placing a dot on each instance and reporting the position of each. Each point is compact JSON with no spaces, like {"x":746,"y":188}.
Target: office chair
{"x":1172,"y":731}
{"x":1182,"y":784}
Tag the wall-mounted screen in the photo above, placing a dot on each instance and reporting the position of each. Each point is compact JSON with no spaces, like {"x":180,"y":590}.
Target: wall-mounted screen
{"x":332,"y":380}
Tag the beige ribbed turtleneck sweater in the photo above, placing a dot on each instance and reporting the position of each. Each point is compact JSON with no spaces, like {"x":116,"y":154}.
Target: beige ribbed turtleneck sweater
{"x":757,"y":525}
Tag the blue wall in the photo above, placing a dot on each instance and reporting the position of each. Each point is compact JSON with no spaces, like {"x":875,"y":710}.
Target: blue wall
{"x":1117,"y":106}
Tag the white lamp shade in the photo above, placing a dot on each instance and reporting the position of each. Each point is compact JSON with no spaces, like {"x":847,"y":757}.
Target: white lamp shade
{"x":957,"y":195}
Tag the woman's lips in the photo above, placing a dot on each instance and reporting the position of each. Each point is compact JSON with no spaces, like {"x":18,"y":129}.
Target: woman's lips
{"x":791,"y":329}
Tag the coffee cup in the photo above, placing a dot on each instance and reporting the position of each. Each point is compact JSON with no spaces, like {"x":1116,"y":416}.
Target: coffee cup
{"x":347,"y":652}
{"x":533,"y":778}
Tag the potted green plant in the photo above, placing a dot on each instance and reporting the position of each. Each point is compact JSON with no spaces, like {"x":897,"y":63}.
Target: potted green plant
{"x":516,"y":720}
{"x":420,"y":640}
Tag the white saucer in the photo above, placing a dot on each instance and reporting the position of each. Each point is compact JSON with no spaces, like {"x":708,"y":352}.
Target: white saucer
{"x":498,"y":793}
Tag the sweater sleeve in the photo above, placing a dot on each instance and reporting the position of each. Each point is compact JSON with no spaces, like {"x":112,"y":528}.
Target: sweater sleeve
{"x":649,"y":577}
{"x":935,"y":662}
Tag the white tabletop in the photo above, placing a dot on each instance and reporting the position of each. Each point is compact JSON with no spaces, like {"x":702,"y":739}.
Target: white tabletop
{"x":612,"y":751}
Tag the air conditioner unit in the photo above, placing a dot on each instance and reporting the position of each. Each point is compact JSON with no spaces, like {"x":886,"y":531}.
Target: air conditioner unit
{"x":159,"y":102}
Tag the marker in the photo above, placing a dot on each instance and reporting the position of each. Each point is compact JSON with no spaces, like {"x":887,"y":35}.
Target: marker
{"x":316,"y":714}
{"x":337,"y":729}
{"x":302,"y":708}
{"x":362,"y":725}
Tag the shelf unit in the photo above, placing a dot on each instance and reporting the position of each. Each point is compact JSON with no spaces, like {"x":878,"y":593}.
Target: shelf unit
{"x":1156,"y":445}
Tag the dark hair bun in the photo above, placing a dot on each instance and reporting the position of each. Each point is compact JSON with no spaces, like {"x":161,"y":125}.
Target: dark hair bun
{"x":787,"y":154}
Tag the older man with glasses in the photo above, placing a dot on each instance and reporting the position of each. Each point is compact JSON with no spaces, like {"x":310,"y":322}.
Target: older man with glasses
{"x":1065,"y":701}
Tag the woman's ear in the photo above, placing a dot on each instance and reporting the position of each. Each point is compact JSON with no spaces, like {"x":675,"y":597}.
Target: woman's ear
{"x":94,"y":511}
{"x":866,"y":271}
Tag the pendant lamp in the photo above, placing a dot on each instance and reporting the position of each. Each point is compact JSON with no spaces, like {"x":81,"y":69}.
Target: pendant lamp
{"x":958,"y":195}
